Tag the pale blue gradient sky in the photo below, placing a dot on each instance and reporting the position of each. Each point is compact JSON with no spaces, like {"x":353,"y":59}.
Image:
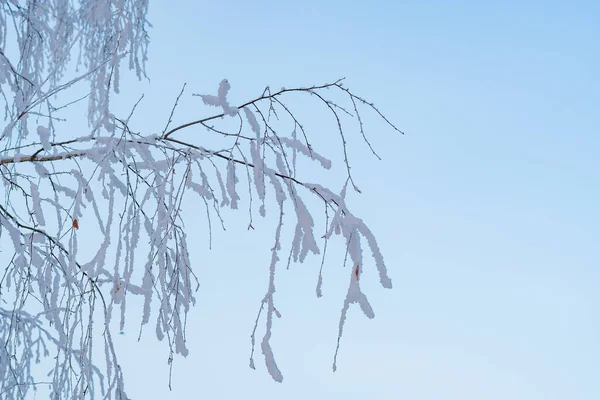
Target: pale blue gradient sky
{"x":487,"y":210}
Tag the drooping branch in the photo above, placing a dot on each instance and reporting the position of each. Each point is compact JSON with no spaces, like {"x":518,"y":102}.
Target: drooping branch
{"x":121,"y":193}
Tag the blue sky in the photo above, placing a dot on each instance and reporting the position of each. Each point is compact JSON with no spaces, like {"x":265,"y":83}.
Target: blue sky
{"x":486,"y":210}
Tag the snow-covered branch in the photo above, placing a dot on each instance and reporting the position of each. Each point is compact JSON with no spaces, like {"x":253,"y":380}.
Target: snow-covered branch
{"x":89,"y":222}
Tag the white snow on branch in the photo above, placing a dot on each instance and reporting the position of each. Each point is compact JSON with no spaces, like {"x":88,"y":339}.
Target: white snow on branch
{"x":231,"y":182}
{"x":220,"y":100}
{"x":44,"y":134}
{"x":302,"y":148}
{"x":37,"y":204}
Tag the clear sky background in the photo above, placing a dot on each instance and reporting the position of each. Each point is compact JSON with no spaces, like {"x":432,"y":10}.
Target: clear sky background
{"x":487,"y":211}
